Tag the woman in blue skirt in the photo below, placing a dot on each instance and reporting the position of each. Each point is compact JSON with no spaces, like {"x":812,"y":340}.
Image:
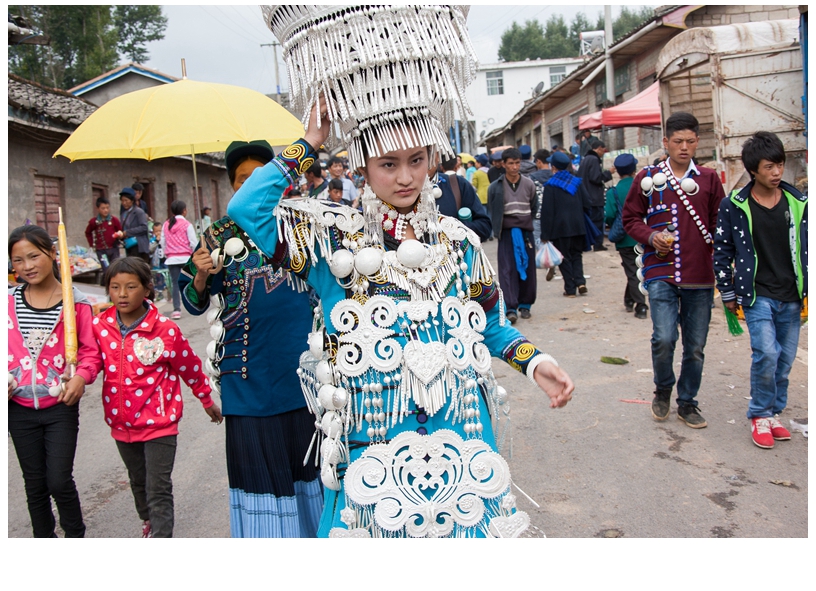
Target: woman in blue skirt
{"x":259,"y":324}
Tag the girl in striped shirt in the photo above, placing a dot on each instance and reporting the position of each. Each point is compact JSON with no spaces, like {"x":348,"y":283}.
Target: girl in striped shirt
{"x":43,"y":419}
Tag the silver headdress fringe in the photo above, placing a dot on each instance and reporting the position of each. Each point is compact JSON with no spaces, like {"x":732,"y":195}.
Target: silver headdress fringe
{"x":391,"y":75}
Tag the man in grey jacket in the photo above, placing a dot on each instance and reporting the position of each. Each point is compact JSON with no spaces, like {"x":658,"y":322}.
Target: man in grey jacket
{"x":593,"y":177}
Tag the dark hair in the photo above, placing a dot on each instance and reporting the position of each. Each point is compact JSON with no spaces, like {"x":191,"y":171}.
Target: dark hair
{"x":126,"y":196}
{"x":763,"y":145}
{"x":137,"y":187}
{"x":335,"y":160}
{"x":176,"y":208}
{"x":315,"y":169}
{"x":541,"y":155}
{"x":449,"y":164}
{"x":511,"y":154}
{"x":38,"y":237}
{"x":231,"y":171}
{"x":596,"y":143}
{"x":102,"y":201}
{"x":336,"y":184}
{"x":681,"y":121}
{"x":133,"y":266}
{"x":294,"y":192}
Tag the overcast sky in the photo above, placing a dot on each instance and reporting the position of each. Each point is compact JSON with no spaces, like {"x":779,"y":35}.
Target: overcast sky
{"x":223,"y":43}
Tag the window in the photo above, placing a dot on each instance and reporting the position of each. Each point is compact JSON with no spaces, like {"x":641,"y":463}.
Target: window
{"x":495,"y":82}
{"x":47,"y":201}
{"x":622,"y":84}
{"x":557,"y":74}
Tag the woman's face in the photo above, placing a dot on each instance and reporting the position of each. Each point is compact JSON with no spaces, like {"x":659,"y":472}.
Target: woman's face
{"x":398,"y":176}
{"x":30,"y":263}
{"x":126,"y":202}
{"x":243,"y":171}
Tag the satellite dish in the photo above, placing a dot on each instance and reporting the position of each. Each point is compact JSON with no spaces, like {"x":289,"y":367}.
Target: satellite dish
{"x":539,"y":87}
{"x":481,"y":135}
{"x":596,"y":46}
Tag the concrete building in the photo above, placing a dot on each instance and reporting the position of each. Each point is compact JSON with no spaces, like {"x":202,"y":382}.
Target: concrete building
{"x":119,"y":81}
{"x":40,"y":119}
{"x":552,"y":117}
{"x":501,"y":89}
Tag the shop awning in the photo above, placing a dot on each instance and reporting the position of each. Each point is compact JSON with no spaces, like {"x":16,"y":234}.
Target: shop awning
{"x":642,"y":110}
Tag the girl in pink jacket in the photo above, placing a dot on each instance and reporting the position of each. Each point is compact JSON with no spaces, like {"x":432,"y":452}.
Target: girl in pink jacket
{"x":44,"y":426}
{"x":145,"y":357}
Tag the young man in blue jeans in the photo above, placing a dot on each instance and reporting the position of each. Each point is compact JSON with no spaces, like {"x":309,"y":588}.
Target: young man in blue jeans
{"x":672,"y":216}
{"x":760,"y":260}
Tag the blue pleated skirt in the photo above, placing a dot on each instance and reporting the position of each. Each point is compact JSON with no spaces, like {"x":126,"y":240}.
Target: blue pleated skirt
{"x":272,"y":494}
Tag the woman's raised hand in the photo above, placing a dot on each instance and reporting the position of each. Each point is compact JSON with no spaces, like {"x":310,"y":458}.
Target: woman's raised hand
{"x":315,"y":136}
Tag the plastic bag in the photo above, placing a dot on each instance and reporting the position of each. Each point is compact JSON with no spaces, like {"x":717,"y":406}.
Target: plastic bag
{"x":548,"y":256}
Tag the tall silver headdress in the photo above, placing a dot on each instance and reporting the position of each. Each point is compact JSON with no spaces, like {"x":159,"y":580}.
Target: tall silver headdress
{"x":391,"y":75}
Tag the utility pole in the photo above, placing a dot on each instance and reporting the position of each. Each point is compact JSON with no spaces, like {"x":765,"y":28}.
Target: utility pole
{"x":275,"y":46}
{"x":610,"y":63}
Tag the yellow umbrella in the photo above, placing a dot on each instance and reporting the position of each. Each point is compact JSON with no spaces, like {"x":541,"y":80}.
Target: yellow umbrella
{"x":172,"y":119}
{"x":178,"y":119}
{"x":465,"y":157}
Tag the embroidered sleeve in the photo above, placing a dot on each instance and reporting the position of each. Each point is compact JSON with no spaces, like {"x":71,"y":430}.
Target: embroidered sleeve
{"x":254,"y":206}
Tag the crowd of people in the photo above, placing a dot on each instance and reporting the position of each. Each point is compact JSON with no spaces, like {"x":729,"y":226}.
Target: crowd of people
{"x":390,"y":308}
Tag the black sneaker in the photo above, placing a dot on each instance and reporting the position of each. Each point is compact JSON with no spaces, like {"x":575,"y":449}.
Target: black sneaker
{"x":582,"y":289}
{"x":600,"y":247}
{"x":512,"y":317}
{"x":629,"y":306}
{"x":689,"y":414}
{"x":641,"y":311}
{"x":661,"y":404}
{"x":525,"y":313}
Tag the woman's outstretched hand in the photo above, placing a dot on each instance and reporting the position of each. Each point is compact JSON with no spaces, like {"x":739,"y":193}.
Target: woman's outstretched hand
{"x":555,"y":382}
{"x":314,"y":136}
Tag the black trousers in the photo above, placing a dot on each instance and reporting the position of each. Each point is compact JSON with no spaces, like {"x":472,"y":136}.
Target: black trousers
{"x":45,"y":441}
{"x":517,"y":293}
{"x":133,"y":251}
{"x":631,"y":295}
{"x":572,"y":267}
{"x":150,"y":465}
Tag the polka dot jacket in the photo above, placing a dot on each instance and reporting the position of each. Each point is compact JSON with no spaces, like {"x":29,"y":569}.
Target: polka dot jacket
{"x":141,"y":390}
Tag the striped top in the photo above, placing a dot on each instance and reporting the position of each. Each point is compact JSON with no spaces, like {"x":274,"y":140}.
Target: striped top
{"x":35,"y":324}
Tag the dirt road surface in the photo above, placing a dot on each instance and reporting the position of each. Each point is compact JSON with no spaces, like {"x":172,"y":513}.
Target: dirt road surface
{"x":601,"y":467}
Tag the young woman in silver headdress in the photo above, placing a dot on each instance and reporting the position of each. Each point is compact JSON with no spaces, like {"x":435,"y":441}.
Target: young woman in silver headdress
{"x":398,"y":372}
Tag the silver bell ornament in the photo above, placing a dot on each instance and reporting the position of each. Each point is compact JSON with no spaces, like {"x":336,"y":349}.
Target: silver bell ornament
{"x":689,"y":186}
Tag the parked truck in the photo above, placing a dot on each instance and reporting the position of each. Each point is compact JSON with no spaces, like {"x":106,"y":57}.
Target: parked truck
{"x":738,"y":79}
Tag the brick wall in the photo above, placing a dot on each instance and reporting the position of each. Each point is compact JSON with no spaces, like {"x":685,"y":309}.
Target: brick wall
{"x":714,"y":15}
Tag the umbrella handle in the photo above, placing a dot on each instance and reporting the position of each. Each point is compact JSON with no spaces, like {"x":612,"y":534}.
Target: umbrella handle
{"x":219,"y":266}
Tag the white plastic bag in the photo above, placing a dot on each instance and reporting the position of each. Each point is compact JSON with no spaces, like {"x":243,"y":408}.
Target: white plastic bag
{"x":548,"y":256}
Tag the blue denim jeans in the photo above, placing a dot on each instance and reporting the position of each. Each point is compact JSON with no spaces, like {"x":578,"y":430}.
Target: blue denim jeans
{"x":691,"y":310}
{"x":774,"y":330}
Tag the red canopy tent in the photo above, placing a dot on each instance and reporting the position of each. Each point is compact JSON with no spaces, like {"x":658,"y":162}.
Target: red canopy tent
{"x":642,"y":110}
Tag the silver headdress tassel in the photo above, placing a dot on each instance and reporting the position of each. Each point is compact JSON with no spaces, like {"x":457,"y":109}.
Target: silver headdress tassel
{"x":391,"y":75}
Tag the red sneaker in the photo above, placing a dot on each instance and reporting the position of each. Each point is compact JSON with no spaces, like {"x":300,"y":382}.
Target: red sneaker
{"x":761,"y":432}
{"x":147,"y":531}
{"x":777,"y":430}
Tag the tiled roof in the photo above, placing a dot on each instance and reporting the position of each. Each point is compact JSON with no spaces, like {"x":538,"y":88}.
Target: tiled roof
{"x":53,"y":103}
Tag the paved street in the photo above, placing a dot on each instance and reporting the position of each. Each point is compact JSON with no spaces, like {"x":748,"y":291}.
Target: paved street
{"x":601,"y":467}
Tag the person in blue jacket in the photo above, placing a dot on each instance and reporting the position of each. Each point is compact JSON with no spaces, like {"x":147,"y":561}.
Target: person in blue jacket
{"x":760,"y":262}
{"x":260,"y":325}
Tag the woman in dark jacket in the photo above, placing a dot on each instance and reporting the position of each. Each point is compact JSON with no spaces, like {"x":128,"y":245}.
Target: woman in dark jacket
{"x":134,"y":225}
